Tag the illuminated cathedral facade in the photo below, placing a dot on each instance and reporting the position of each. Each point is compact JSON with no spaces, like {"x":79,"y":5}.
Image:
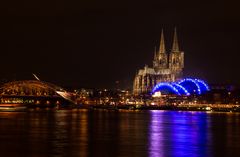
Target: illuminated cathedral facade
{"x":167,"y":67}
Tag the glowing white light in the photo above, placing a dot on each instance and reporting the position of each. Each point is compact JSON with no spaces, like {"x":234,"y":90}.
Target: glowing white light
{"x":157,"y":94}
{"x":66,"y":96}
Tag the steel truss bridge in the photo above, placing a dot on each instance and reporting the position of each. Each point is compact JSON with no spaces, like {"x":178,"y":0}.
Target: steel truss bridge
{"x":34,"y":92}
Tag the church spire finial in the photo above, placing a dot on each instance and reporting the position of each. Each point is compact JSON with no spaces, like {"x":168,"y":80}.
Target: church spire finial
{"x":162,"y":48}
{"x":175,"y":47}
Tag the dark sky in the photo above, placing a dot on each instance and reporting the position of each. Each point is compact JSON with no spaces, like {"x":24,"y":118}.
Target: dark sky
{"x":93,"y":43}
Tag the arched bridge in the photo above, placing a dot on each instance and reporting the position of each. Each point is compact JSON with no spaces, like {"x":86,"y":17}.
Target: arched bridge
{"x":29,"y":88}
{"x":34,"y":92}
{"x":187,"y":86}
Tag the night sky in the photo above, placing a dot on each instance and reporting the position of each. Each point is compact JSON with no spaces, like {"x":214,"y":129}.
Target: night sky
{"x":94,"y":43}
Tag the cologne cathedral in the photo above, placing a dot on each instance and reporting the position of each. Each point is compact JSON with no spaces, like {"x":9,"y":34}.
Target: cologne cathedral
{"x":167,"y":67}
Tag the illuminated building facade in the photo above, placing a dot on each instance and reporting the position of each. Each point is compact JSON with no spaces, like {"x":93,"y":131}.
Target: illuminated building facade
{"x":167,"y":67}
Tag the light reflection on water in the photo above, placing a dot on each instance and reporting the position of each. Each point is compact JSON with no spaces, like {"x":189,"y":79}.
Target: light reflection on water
{"x":179,"y":134}
{"x":119,"y":133}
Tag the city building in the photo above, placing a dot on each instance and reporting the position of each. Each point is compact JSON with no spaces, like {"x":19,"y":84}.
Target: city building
{"x":167,"y":67}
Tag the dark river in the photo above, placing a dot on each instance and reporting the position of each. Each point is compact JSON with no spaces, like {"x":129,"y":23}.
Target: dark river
{"x":119,"y":133}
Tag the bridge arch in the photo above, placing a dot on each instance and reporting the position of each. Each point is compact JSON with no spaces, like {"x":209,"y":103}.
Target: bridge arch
{"x":191,"y":84}
{"x":203,"y":85}
{"x":182,"y":90}
{"x":29,"y":87}
{"x":166,"y":87}
{"x":185,"y":86}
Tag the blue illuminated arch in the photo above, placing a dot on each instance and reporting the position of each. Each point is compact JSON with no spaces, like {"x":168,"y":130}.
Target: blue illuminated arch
{"x":203,"y":86}
{"x":165,"y":86}
{"x":181,"y":89}
{"x":190,"y":84}
{"x":185,"y":86}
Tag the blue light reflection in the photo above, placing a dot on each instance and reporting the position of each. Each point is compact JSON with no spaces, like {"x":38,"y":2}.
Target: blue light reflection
{"x":179,"y":134}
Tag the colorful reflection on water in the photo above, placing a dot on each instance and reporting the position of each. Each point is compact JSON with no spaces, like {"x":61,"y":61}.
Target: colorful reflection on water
{"x":179,"y":134}
{"x":119,"y":133}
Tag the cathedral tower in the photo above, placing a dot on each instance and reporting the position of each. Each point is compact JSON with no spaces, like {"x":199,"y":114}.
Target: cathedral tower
{"x":167,"y":67}
{"x":161,"y":58}
{"x":176,"y":59}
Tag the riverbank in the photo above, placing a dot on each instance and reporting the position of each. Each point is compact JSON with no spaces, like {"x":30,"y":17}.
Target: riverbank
{"x":182,"y":107}
{"x":205,"y":107}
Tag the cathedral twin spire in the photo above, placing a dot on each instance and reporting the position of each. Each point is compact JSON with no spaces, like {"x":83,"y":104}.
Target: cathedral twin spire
{"x":174,"y":59}
{"x":175,"y":46}
{"x":167,"y":67}
{"x":162,"y":48}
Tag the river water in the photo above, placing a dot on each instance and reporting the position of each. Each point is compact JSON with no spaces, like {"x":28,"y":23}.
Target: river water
{"x":101,"y":133}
